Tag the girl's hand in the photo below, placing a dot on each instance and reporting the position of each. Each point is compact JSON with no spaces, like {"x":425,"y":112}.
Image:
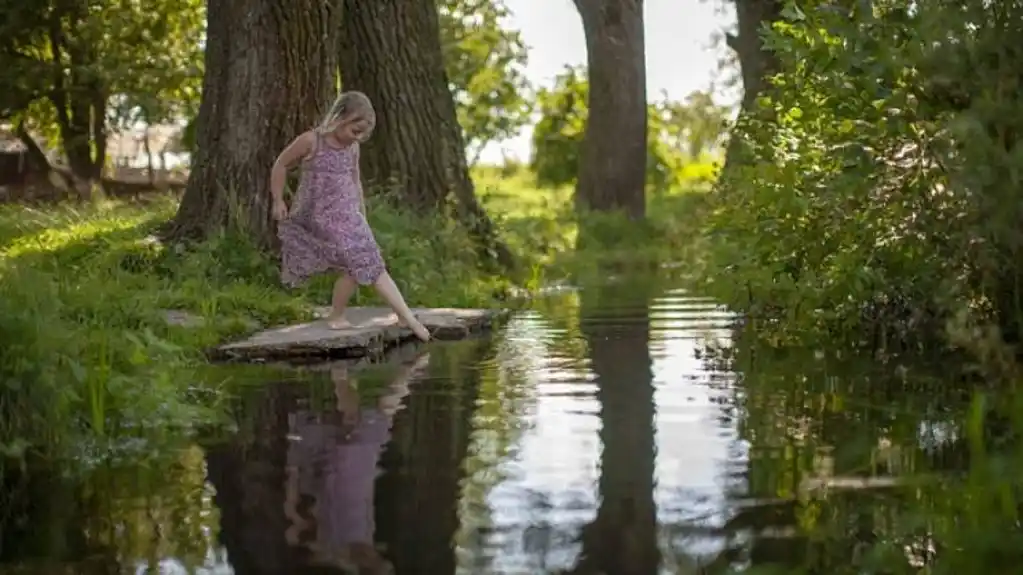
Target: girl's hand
{"x":279,"y":210}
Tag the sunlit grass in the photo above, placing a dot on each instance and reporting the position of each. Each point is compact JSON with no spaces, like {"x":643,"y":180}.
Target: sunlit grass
{"x":543,"y":223}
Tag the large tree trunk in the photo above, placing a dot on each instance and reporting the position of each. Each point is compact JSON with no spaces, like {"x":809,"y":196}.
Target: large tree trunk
{"x":391,"y":51}
{"x":270,"y":73}
{"x":612,"y":167}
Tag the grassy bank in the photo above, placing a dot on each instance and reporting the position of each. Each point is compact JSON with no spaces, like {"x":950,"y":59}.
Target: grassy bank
{"x":85,"y":293}
{"x":543,"y":224}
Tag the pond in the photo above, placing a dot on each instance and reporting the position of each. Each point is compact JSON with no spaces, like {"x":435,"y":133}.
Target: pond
{"x":616,"y":429}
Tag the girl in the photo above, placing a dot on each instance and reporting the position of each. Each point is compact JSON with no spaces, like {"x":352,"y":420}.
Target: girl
{"x":327,"y":228}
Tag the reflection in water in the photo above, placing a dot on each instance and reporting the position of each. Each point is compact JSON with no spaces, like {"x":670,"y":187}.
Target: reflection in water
{"x":600,"y":432}
{"x":305,"y":501}
{"x":248,"y":476}
{"x":418,"y":493}
{"x":623,"y":536}
{"x":619,"y":444}
{"x":332,"y":465}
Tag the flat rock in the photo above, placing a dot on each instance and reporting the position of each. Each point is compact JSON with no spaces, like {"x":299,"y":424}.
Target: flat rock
{"x":374,"y":330}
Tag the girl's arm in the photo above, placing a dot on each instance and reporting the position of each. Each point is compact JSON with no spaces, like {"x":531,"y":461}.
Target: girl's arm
{"x":297,"y":150}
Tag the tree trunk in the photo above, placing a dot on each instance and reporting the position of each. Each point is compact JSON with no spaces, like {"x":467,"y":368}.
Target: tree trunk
{"x":391,"y":51}
{"x":38,"y":162}
{"x":80,"y":101}
{"x":270,"y":74}
{"x":755,"y":60}
{"x":612,"y":167}
{"x":149,"y":157}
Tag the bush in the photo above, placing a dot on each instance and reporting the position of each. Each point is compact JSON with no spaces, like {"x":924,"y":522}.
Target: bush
{"x":874,"y":198}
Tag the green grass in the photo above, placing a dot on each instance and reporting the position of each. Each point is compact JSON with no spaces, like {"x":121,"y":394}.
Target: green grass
{"x":86,"y":352}
{"x":542,"y":223}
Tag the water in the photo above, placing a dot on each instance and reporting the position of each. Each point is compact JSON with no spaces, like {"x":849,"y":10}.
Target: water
{"x":614,"y":430}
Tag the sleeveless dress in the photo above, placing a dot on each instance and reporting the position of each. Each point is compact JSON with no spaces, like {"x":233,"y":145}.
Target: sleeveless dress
{"x":325,"y":229}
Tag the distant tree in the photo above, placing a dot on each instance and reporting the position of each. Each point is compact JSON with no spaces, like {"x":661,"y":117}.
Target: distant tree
{"x":695,"y":125}
{"x":560,"y":132}
{"x":613,"y":160}
{"x":392,"y":52}
{"x":485,"y":62}
{"x":756,"y":62}
{"x":265,"y":83}
{"x":67,"y":61}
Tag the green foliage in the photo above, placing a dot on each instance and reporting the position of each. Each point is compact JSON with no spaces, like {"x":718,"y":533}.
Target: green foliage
{"x":165,"y":84}
{"x":679,"y":132}
{"x":558,"y":135}
{"x":78,"y":68}
{"x":485,"y":63}
{"x":875,"y":193}
{"x":695,"y":125}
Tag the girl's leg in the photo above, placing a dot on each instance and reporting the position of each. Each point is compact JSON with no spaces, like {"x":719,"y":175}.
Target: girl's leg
{"x":344,"y":289}
{"x":388,"y":290}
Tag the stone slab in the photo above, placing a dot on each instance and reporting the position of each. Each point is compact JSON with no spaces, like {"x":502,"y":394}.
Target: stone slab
{"x":374,"y":330}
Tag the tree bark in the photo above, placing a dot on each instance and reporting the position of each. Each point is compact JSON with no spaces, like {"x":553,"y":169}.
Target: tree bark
{"x":612,"y":167}
{"x":270,"y":73}
{"x":391,"y":51}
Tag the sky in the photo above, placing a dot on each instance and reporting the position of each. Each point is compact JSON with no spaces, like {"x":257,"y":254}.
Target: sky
{"x":680,"y":57}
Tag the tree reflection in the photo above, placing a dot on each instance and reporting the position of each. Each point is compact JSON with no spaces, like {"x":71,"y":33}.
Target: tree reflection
{"x":301,"y":493}
{"x":121,"y":515}
{"x":248,"y":475}
{"x":418,"y":494}
{"x":622,"y":539}
{"x":296,"y":489}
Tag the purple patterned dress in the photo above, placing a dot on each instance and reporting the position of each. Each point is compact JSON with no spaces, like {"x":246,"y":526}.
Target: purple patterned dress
{"x":326,"y":229}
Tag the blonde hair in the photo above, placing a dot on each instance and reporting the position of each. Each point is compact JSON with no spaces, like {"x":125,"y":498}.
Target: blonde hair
{"x":349,"y":105}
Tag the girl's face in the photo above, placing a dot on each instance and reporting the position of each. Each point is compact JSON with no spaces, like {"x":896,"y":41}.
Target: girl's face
{"x":356,"y":129}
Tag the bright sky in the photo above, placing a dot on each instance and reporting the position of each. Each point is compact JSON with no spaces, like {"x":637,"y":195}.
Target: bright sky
{"x":679,"y":54}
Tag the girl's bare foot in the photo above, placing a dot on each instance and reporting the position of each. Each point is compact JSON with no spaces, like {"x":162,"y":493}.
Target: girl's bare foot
{"x":337,"y":322}
{"x":418,"y":329}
